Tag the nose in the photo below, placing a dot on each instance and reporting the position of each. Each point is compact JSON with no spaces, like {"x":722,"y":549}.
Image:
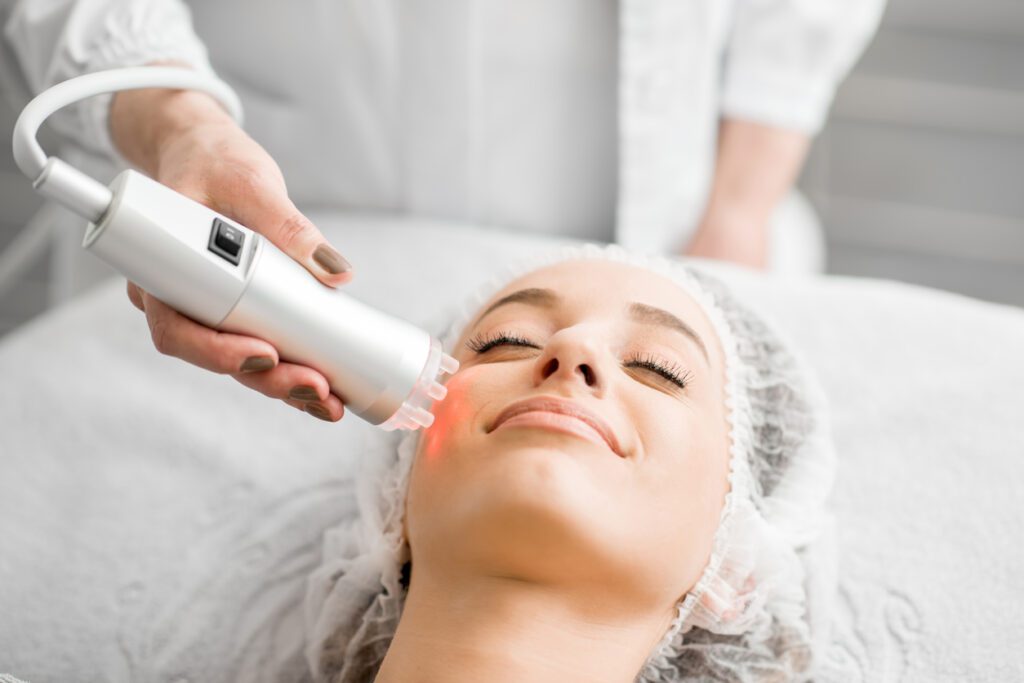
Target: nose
{"x":569,"y":356}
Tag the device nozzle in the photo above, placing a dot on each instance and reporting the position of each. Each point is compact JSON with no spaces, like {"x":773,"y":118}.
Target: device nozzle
{"x":414,"y":412}
{"x":437,"y":391}
{"x":449,"y":365}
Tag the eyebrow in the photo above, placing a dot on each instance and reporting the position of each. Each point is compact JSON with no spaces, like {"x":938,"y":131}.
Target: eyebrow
{"x":534,"y":296}
{"x":641,"y":313}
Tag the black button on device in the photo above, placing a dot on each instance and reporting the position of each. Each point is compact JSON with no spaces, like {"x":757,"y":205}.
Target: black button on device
{"x":226,"y":241}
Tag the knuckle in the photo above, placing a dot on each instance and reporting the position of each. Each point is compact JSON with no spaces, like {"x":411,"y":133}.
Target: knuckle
{"x":250,"y":180}
{"x":293,"y":230}
{"x":236,"y":183}
{"x":160,"y":333}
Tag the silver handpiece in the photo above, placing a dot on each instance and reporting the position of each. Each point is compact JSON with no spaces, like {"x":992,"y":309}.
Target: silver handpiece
{"x":228,"y":277}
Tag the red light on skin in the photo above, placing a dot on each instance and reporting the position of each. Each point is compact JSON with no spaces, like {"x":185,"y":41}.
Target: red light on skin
{"x":450,"y":411}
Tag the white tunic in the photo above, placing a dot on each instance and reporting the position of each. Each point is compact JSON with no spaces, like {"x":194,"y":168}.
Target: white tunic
{"x":592,"y":118}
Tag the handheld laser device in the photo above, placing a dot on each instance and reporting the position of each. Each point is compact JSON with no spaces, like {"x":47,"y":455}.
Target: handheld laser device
{"x":228,"y":277}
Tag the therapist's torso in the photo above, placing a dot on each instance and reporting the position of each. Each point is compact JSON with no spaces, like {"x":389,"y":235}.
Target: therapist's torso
{"x":594,"y":118}
{"x":496,"y":113}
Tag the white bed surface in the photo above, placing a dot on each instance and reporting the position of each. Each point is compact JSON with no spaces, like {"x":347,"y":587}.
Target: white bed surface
{"x":157,"y":522}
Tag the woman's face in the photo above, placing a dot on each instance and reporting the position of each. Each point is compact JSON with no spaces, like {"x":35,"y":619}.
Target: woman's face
{"x":566,"y":450}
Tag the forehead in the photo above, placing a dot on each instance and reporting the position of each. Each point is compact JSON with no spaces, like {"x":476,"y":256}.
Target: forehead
{"x":600,"y":287}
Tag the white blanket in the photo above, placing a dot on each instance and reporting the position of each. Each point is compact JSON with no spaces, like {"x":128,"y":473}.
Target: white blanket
{"x":157,"y":522}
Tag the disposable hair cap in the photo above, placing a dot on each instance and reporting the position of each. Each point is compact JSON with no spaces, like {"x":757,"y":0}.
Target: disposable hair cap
{"x":761,"y":608}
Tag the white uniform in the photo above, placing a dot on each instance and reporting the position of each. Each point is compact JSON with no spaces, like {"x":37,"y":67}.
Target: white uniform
{"x":594,"y":118}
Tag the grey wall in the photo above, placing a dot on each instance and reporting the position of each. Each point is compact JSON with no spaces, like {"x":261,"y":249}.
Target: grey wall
{"x":919,"y":175}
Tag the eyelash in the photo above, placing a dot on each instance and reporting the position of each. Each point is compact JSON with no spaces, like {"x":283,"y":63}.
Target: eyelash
{"x":672,"y":372}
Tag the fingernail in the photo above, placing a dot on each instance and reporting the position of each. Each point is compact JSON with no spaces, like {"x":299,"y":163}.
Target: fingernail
{"x":318,"y":410}
{"x":303,"y":393}
{"x":257,"y":364}
{"x":330,"y":260}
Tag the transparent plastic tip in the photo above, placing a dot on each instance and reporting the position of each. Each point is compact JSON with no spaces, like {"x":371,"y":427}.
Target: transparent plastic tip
{"x":415,"y":410}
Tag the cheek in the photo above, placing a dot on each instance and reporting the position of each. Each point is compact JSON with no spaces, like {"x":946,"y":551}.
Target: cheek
{"x":457,"y":418}
{"x":475,"y":394}
{"x":454,"y":412}
{"x":681,"y":489}
{"x":432,"y":475}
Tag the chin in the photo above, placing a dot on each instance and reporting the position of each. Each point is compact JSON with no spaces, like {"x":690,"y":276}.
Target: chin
{"x":529,"y":512}
{"x":559,"y":476}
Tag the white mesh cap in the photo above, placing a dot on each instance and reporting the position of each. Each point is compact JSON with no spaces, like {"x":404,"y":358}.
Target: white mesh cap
{"x":760,"y":610}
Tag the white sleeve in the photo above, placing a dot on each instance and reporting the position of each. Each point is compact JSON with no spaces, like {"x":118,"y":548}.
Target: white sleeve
{"x":59,"y":39}
{"x":785,"y":58}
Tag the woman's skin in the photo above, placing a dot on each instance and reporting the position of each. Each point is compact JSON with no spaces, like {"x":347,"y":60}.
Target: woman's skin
{"x":543,"y":555}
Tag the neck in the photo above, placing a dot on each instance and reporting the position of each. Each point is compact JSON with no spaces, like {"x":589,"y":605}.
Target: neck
{"x":505,"y":630}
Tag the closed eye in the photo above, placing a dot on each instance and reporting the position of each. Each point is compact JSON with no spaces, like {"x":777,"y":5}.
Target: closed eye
{"x":671,"y":372}
{"x":482,"y":344}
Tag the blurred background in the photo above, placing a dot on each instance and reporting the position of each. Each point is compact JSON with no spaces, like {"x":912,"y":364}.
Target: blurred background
{"x":918,"y":176}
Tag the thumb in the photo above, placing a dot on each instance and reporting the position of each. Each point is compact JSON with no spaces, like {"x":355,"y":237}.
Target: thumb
{"x":272,"y":214}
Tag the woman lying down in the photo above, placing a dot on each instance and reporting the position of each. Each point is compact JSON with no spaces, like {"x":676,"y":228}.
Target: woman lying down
{"x":623,"y":484}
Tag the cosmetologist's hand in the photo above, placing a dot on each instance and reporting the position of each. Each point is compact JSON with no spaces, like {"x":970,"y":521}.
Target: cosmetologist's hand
{"x":187,"y":142}
{"x":741,"y":239}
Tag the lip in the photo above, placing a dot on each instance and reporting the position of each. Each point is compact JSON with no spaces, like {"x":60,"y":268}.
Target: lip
{"x":592,"y":422}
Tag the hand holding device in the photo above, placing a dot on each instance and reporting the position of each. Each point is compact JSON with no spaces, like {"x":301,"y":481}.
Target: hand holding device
{"x":187,"y":141}
{"x":226,"y":276}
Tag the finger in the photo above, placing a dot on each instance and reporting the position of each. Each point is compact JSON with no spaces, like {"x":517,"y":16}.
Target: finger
{"x":135,"y":295}
{"x":265,"y":208}
{"x":298,"y":405}
{"x":222,"y":352}
{"x":298,"y":386}
{"x":330,"y":412}
{"x":288,"y":381}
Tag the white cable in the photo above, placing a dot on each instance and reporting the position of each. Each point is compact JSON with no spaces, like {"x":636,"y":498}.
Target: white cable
{"x":62,"y":183}
{"x":29,"y":154}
